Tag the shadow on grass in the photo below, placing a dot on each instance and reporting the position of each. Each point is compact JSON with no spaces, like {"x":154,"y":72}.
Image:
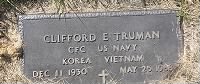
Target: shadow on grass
{"x":9,"y":9}
{"x":16,"y":5}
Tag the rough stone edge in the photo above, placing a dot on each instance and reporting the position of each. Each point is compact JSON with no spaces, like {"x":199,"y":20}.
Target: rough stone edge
{"x":96,"y":14}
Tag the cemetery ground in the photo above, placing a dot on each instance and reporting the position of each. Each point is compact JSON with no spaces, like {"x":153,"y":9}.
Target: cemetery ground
{"x":11,"y":56}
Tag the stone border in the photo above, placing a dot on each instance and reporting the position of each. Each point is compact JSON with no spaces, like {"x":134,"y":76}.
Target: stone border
{"x":94,"y":14}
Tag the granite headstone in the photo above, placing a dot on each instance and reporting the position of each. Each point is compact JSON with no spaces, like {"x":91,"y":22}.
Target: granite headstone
{"x":131,"y":47}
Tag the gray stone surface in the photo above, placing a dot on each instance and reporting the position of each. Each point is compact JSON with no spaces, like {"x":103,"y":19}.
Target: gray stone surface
{"x":42,"y":56}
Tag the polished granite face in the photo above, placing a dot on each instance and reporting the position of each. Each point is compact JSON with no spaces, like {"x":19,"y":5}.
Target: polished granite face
{"x":133,"y":47}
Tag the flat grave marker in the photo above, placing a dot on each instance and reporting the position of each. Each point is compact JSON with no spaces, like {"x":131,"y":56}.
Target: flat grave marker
{"x":131,"y":47}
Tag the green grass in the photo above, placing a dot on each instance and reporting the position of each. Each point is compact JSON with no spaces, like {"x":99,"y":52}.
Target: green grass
{"x":61,"y":4}
{"x":15,"y":4}
{"x":10,"y":4}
